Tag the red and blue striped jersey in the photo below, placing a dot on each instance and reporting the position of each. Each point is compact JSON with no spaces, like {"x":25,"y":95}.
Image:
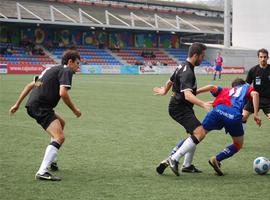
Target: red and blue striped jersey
{"x":235,"y":97}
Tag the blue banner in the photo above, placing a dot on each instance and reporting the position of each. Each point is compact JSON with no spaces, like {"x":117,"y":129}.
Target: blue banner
{"x":91,"y":69}
{"x":127,"y":69}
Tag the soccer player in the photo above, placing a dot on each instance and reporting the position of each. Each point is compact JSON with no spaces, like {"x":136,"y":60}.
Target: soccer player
{"x":227,"y":113}
{"x":46,"y":90}
{"x":259,"y":77}
{"x":218,"y":65}
{"x":184,"y":87}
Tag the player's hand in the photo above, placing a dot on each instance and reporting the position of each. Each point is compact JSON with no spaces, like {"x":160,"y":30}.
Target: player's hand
{"x":13,"y":109}
{"x":159,"y":91}
{"x":258,"y":120}
{"x":208,"y":105}
{"x":77,"y":112}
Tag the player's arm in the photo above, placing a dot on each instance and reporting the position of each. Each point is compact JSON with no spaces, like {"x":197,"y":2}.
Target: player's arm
{"x":163,"y":90}
{"x":23,"y":94}
{"x":255,"y":101}
{"x":67,"y":100}
{"x":189,"y":96}
{"x":207,"y":88}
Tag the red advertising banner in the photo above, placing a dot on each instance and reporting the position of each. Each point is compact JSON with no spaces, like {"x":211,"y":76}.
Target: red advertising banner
{"x":24,"y":68}
{"x":226,"y":70}
{"x":233,"y":70}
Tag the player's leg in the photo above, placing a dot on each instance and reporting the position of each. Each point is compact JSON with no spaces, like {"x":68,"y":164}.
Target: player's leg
{"x":187,"y":164}
{"x":265,"y":106}
{"x":54,"y":166}
{"x":228,"y":152}
{"x":188,"y":145}
{"x":192,"y":125}
{"x":215,"y":74}
{"x":56,"y":132}
{"x":219,"y":74}
{"x":234,"y":127}
{"x":247,"y":111}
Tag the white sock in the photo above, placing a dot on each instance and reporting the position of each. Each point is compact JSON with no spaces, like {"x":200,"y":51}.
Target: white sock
{"x":55,"y":159}
{"x":187,"y":146}
{"x":50,"y":154}
{"x":189,"y":157}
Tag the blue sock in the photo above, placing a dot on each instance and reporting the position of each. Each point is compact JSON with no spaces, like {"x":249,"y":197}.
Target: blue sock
{"x":177,"y":146}
{"x":228,"y":152}
{"x":219,"y":76}
{"x":214,"y":77}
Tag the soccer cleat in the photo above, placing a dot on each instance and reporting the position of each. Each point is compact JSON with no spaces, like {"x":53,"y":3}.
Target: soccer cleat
{"x":54,"y":167}
{"x":216,"y":165}
{"x":47,"y":177}
{"x":162,"y":166}
{"x":191,"y":169}
{"x":174,"y":166}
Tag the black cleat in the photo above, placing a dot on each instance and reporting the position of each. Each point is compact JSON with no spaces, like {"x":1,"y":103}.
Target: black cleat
{"x":162,"y":166}
{"x":174,"y":166}
{"x":54,"y":167}
{"x":191,"y":169}
{"x":47,"y":177}
{"x":216,"y":165}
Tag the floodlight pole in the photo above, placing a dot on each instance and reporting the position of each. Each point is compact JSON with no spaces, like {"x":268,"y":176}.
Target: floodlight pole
{"x":227,"y":23}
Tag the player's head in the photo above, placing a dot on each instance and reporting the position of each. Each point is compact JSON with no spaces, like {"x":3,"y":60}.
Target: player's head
{"x":263,"y":56}
{"x":237,"y":82}
{"x":196,"y":52}
{"x":72,"y":59}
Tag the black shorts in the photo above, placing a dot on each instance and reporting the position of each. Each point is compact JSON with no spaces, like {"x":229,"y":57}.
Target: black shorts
{"x":185,"y":116}
{"x":43,"y":116}
{"x":264,"y":105}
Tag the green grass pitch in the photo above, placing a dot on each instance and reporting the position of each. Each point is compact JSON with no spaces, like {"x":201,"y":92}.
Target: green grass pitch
{"x":111,"y":152}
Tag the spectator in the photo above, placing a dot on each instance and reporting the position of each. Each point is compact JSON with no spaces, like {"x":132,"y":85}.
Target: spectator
{"x":9,"y":50}
{"x":116,"y":47}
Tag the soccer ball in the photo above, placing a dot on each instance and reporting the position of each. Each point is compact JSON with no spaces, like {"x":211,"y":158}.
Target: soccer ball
{"x":261,"y":165}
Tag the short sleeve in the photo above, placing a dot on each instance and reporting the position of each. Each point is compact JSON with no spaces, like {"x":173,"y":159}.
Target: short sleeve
{"x":216,"y":91}
{"x":250,"y":76}
{"x":172,"y":78}
{"x":250,"y":89}
{"x":65,"y":77}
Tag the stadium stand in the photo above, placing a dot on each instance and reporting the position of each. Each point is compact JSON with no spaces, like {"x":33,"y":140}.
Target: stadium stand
{"x":106,"y":16}
{"x":19,"y":56}
{"x":91,"y":55}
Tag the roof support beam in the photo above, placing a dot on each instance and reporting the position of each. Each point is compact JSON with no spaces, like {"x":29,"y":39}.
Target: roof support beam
{"x":186,"y":22}
{"x":52,"y":9}
{"x":133,"y":16}
{"x":81,"y":12}
{"x":19,"y":6}
{"x":107,"y":14}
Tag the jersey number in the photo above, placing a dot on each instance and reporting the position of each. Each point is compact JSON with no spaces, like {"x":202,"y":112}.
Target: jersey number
{"x":235,"y":92}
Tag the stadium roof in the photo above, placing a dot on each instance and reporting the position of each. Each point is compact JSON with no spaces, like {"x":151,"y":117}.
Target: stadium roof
{"x":107,"y":14}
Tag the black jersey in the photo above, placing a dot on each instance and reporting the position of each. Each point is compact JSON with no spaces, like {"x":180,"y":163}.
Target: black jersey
{"x":260,"y":78}
{"x":183,"y":79}
{"x":45,"y":93}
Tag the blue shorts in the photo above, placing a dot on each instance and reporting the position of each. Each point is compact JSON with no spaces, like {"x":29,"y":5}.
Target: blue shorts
{"x":218,"y":68}
{"x":224,"y":117}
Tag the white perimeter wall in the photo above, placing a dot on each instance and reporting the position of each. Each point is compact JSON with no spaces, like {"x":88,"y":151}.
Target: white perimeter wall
{"x":251,"y":25}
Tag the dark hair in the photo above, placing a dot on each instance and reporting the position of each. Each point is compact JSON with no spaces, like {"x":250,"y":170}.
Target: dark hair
{"x":238,"y":81}
{"x":70,"y":54}
{"x":264,"y":51}
{"x":196,"y":48}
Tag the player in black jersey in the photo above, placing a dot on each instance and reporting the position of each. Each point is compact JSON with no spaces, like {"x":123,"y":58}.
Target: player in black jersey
{"x":46,"y":90}
{"x":184,"y":86}
{"x":259,"y":76}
